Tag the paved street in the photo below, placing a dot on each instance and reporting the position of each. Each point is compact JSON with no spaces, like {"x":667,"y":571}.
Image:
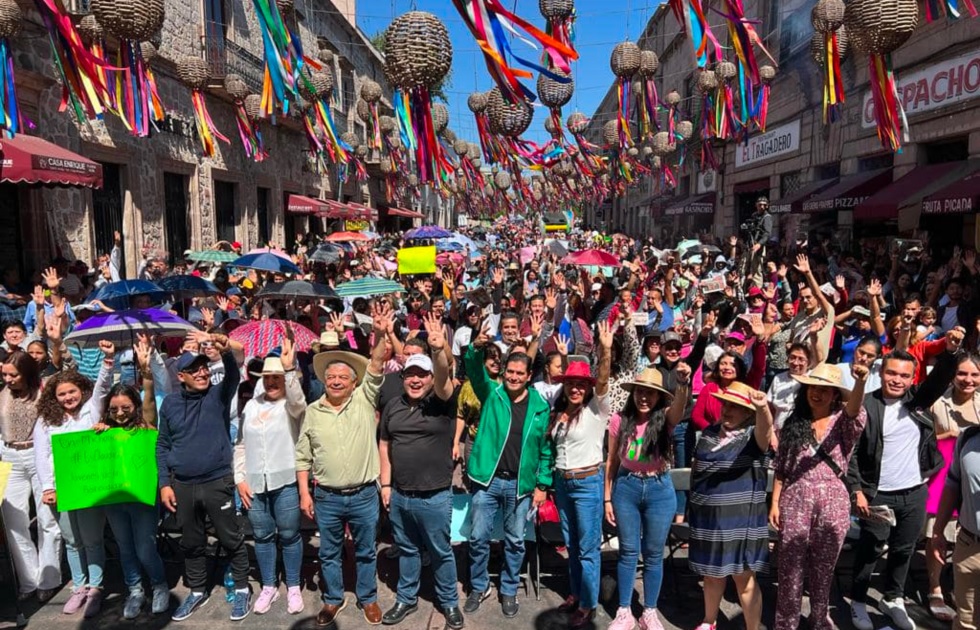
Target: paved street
{"x":680,"y":603}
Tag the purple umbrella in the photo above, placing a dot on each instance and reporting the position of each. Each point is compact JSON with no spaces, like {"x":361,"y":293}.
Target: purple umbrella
{"x":121,"y":327}
{"x":428,"y":231}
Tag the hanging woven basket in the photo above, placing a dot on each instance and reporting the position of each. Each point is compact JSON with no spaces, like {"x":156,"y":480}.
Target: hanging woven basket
{"x":656,"y":162}
{"x":473,"y":151}
{"x":148,"y":51}
{"x":818,"y":46}
{"x":350,"y":138}
{"x":322,"y":82}
{"x":386,"y":123}
{"x":236,"y":87}
{"x":625,"y":59}
{"x":413,"y":180}
{"x":649,"y":63}
{"x":88,"y":27}
{"x":879,"y":27}
{"x":460,"y":147}
{"x":827,"y":15}
{"x":11,"y":18}
{"x":767,"y":73}
{"x":673,"y":98}
{"x":610,"y":133}
{"x":549,"y":125}
{"x":386,"y":166}
{"x":395,"y":141}
{"x":285,"y":6}
{"x":371,"y":91}
{"x":577,"y":122}
{"x":448,"y":135}
{"x":555,"y":94}
{"x":661,"y":143}
{"x":685,"y":129}
{"x":440,"y":117}
{"x":363,"y":111}
{"x":193,"y":72}
{"x":502,"y":180}
{"x":726,"y":71}
{"x":361,"y":150}
{"x":325,"y":56}
{"x":707,"y":81}
{"x":253,"y":106}
{"x":556,"y":9}
{"x":417,"y":51}
{"x":135,"y":20}
{"x":507,"y":119}
{"x":477,"y":102}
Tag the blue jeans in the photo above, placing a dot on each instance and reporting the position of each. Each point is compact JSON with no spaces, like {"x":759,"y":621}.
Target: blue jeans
{"x":579,"y":502}
{"x":84,"y":534}
{"x":683,"y":435}
{"x":272,"y":512}
{"x":134,"y":526}
{"x":644,"y":508}
{"x":501,"y":494}
{"x":423,"y":522}
{"x":360,"y":512}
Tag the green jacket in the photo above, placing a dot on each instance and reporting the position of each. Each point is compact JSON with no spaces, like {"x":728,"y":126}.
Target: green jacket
{"x":537,"y":451}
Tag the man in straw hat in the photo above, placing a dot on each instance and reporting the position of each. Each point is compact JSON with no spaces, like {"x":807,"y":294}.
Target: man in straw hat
{"x":894,"y":459}
{"x":417,"y":431}
{"x":337,"y":444}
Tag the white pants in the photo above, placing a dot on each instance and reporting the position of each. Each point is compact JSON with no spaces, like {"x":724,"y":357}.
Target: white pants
{"x":37,"y":566}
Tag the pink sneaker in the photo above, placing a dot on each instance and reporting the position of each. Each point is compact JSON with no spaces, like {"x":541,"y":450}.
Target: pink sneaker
{"x":76,"y":601}
{"x":93,"y":603}
{"x":650,"y":620}
{"x":294,"y":600}
{"x":711,"y":626}
{"x":624,"y":620}
{"x":264,"y":602}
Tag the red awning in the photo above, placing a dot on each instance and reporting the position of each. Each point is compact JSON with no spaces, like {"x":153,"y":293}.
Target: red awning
{"x":401,"y":212}
{"x":32,"y":160}
{"x":909,"y":190}
{"x":364,"y":212}
{"x":794,"y":201}
{"x":301,"y":204}
{"x":336,"y":210}
{"x":698,"y":204}
{"x":960,"y":197}
{"x":849,"y":191}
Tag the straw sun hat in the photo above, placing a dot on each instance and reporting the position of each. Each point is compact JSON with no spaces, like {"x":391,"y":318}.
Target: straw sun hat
{"x":650,"y":378}
{"x":826,"y":375}
{"x":738,"y":394}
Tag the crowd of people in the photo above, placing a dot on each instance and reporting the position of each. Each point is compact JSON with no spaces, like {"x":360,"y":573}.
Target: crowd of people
{"x":803,"y":392}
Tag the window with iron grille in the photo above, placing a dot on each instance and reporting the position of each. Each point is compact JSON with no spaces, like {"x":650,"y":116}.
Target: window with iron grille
{"x":347,"y":89}
{"x":875,"y":162}
{"x":789,"y":183}
{"x":215,"y":31}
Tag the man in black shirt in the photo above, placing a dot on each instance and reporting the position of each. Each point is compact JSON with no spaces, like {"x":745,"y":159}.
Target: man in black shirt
{"x":417,"y":430}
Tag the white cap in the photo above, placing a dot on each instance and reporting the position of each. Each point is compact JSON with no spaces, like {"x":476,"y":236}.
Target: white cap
{"x":272,"y":365}
{"x":420,"y":361}
{"x":597,"y":286}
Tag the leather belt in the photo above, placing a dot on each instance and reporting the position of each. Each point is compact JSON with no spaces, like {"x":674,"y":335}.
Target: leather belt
{"x":581,"y":474}
{"x":345,"y":491}
{"x":20,"y":446}
{"x":505,"y":474}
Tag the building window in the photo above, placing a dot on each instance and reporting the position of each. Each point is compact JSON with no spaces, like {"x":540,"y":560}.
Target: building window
{"x":262,"y":214}
{"x":215,"y":32}
{"x":347,"y":92}
{"x":175,"y":189}
{"x":107,"y":210}
{"x":876,"y":162}
{"x":828,"y":171}
{"x":224,"y":209}
{"x":954,"y":150}
{"x":795,"y":32}
{"x":789,"y":183}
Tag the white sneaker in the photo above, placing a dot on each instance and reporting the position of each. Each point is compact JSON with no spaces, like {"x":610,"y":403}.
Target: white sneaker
{"x":859,"y":616}
{"x":895,"y":609}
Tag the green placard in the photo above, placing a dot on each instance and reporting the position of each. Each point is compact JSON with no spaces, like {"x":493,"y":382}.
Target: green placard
{"x":116,"y":466}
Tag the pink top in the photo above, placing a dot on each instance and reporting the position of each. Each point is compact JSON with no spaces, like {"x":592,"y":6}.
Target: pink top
{"x":630,"y":455}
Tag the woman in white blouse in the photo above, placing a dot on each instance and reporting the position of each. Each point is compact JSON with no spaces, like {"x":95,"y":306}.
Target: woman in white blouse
{"x":578,"y":428}
{"x":265,"y":472}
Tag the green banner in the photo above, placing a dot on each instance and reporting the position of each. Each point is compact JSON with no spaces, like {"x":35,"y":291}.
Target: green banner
{"x":116,"y":466}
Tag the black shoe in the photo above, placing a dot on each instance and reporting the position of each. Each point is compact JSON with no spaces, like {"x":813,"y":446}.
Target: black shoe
{"x":454,"y":618}
{"x":509,"y":605}
{"x":474,"y":599}
{"x":397,"y":613}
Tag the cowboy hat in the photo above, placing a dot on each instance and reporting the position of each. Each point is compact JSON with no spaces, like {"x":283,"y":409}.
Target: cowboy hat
{"x":576,"y":370}
{"x":357,"y":362}
{"x":650,"y":378}
{"x":329,"y":339}
{"x":738,"y":394}
{"x":825,"y":375}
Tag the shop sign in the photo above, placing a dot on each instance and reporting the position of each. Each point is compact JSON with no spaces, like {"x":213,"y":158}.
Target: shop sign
{"x":356,"y":225}
{"x":701,"y":207}
{"x":62,"y":165}
{"x":945,"y":83}
{"x":837,"y":203}
{"x":775,"y":142}
{"x":956,"y":205}
{"x":707,"y":182}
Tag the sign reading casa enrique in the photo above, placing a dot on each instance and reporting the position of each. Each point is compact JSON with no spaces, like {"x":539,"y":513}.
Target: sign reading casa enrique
{"x":940,"y":84}
{"x":775,"y":142}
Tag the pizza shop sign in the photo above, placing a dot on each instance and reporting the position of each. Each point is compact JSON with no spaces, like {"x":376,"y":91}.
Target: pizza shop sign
{"x":945,"y":83}
{"x":775,"y":142}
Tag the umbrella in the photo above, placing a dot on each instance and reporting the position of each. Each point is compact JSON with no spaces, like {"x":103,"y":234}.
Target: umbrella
{"x":118,"y":293}
{"x":450,"y":257}
{"x":683,"y":246}
{"x":327,"y":253}
{"x":269,"y":250}
{"x":212,"y":256}
{"x":121,"y":327}
{"x":466,"y":241}
{"x":344,"y":237}
{"x":428,"y":231}
{"x":446,"y":245}
{"x":296,"y":289}
{"x":367,"y":287}
{"x":591,"y":257}
{"x":711,"y":250}
{"x":267,"y":261}
{"x":188,"y":286}
{"x":260,"y":337}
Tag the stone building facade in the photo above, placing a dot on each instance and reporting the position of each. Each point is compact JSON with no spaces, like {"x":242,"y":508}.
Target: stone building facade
{"x":160,"y":192}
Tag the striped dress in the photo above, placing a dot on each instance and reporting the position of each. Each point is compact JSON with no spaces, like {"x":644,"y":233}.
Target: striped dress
{"x":727,"y":508}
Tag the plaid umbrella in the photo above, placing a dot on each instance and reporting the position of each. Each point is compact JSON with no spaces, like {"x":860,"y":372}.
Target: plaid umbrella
{"x":212,"y":256}
{"x":367,"y":287}
{"x":121,"y":327}
{"x":259,"y":338}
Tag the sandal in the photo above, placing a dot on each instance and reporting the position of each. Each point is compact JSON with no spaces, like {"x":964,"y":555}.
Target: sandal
{"x":939,"y":609}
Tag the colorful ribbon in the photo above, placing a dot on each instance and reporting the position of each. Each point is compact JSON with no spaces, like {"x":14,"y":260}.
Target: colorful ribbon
{"x":934,"y":9}
{"x":136,"y":99}
{"x":251,"y":137}
{"x":284,"y":58}
{"x":691,"y":16}
{"x":206,"y":128}
{"x":889,"y":115}
{"x":833,"y":83}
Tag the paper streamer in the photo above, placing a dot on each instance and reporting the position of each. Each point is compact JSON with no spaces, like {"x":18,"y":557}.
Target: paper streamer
{"x":890,"y":119}
{"x":11,"y":123}
{"x":206,"y":128}
{"x":251,"y":137}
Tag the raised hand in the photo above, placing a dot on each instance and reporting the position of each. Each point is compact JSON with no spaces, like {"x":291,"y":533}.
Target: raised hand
{"x":605,"y":335}
{"x":537,"y":322}
{"x":954,"y":339}
{"x":483,"y":338}
{"x":222,"y":302}
{"x":38,"y":296}
{"x":683,"y":372}
{"x":337,"y":320}
{"x":818,"y":325}
{"x":758,"y":327}
{"x":782,"y":271}
{"x":759,"y":399}
{"x":498,"y":275}
{"x":108,"y":348}
{"x":874,"y":287}
{"x":802,"y":264}
{"x":562,"y":343}
{"x":434,"y":328}
{"x":50,"y":277}
{"x":859,"y":372}
{"x":708,"y":323}
{"x":384,"y":318}
{"x":143,"y":350}
{"x":207,"y":317}
{"x":840,"y":282}
{"x":288,"y":355}
{"x":52,"y":328}
{"x":550,"y":298}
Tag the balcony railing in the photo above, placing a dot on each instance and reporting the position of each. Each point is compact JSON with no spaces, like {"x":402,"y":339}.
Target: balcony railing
{"x":248,"y":66}
{"x":215,"y":49}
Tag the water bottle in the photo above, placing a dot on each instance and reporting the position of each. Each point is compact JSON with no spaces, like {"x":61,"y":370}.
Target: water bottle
{"x":229,"y":585}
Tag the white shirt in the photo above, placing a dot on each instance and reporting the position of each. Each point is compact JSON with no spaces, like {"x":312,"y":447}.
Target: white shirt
{"x":549,"y":391}
{"x":461,"y":339}
{"x":782,"y":396}
{"x":266,"y":448}
{"x":871,"y":384}
{"x":578,"y":444}
{"x":900,"y":449}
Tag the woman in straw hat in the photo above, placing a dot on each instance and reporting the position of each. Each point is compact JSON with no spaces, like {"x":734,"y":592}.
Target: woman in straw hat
{"x":639,"y":495}
{"x":810,"y":503}
{"x":578,"y":426}
{"x":729,"y":475}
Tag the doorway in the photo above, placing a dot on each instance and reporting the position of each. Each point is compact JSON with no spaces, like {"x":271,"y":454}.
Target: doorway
{"x":107,"y":212}
{"x":224,"y":208}
{"x":262,"y":215}
{"x":175,"y":214}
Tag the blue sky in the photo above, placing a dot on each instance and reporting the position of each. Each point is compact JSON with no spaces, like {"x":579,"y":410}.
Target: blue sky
{"x":601,"y":25}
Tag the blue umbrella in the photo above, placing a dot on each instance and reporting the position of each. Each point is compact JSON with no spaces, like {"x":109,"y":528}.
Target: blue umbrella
{"x":117,"y":294}
{"x":266,"y":262}
{"x":448,"y":245}
{"x":188,"y":286}
{"x":428,"y":231}
{"x":121,"y":327}
{"x":466,"y":241}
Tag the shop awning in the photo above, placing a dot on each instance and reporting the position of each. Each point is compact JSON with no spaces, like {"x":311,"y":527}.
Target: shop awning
{"x":755,"y":186}
{"x":363,"y":212}
{"x":32,"y":160}
{"x":301,"y":204}
{"x":697,"y":204}
{"x":849,"y":191}
{"x":960,"y":197}
{"x":336,"y":210}
{"x":908,"y":190}
{"x":794,"y":201}
{"x":401,"y":212}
